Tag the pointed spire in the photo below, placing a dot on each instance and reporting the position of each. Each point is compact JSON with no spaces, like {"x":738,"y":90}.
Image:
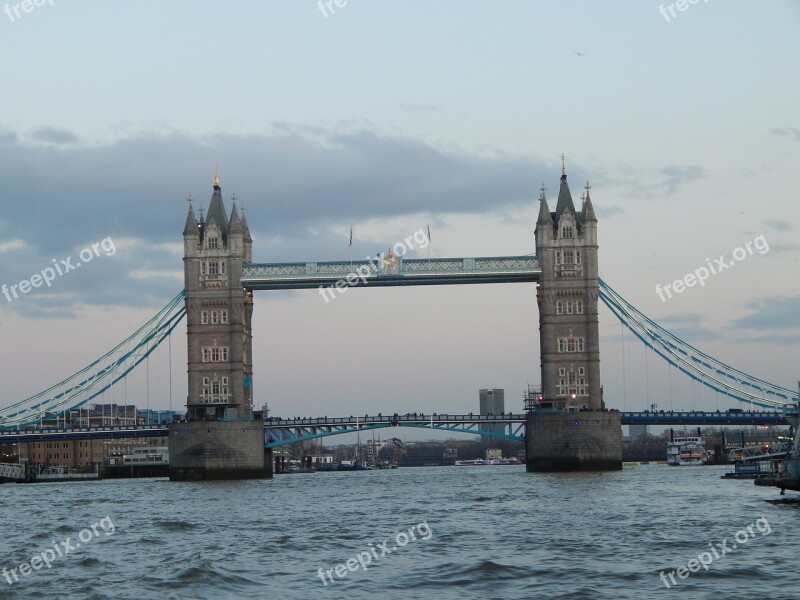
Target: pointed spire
{"x":235,"y":224}
{"x":202,"y":219}
{"x":544,"y":210}
{"x":564,"y":195}
{"x":245,"y":228}
{"x":588,"y":209}
{"x":216,"y":211}
{"x":191,"y":227}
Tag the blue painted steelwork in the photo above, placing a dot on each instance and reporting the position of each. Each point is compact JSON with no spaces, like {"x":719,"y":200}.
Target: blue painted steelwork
{"x":94,"y":379}
{"x":705,"y":418}
{"x":280,"y":432}
{"x":701,"y":367}
{"x":400,"y":272}
{"x":9,"y":436}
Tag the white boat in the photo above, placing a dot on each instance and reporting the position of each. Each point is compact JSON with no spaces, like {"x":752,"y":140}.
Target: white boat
{"x":480,"y":462}
{"x":686,"y":450}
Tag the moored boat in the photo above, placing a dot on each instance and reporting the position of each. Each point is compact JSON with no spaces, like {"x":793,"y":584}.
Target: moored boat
{"x":686,"y":451}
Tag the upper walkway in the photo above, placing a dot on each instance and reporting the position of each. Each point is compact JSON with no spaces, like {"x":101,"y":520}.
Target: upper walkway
{"x":397,"y":272}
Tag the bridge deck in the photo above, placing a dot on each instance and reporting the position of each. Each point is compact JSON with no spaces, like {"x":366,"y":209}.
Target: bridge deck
{"x":401,"y":272}
{"x":308,"y":427}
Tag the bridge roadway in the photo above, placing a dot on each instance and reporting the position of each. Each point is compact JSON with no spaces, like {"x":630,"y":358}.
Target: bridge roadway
{"x":279,"y":432}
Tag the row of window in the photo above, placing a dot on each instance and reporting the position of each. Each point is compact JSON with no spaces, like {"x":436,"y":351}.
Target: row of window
{"x":568,"y":257}
{"x":213,"y":267}
{"x":215,"y":354}
{"x":215,"y":390}
{"x":571,"y":383}
{"x":56,"y":445}
{"x":215,"y":387}
{"x":562,"y":372}
{"x":213,"y":317}
{"x":563,"y":389}
{"x":569,"y":307}
{"x":571,"y":344}
{"x":567,"y":232}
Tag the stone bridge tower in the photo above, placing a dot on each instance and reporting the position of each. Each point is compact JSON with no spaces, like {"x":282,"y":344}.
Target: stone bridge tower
{"x":571,"y":430}
{"x":219,"y":438}
{"x":567,"y":294}
{"x":218,"y":313}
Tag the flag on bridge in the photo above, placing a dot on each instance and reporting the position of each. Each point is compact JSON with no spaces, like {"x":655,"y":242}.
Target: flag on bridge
{"x":351,"y":236}
{"x":429,"y":234}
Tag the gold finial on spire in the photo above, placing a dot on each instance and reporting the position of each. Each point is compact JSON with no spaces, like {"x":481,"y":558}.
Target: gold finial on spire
{"x":216,"y":175}
{"x":563,"y":167}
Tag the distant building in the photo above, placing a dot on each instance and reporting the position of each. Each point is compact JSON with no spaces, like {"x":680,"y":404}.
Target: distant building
{"x":87,"y":453}
{"x":637,"y":431}
{"x":374,"y":448}
{"x":493,"y":454}
{"x":492,"y":402}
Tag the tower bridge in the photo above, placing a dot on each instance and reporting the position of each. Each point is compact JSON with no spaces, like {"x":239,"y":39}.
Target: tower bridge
{"x":570,"y":428}
{"x":220,"y":278}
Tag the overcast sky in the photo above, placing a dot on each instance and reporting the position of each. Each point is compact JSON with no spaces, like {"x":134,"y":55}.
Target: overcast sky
{"x":389,"y":116}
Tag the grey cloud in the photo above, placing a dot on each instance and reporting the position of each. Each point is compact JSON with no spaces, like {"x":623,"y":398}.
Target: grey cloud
{"x":669,"y":180}
{"x":778,"y":225}
{"x":298,"y":187}
{"x":784,"y":248}
{"x":51,"y":135}
{"x":676,"y":176}
{"x":792,"y":132}
{"x":776,"y":313}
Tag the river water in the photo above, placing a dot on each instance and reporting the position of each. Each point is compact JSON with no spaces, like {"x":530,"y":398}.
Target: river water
{"x":438,"y":532}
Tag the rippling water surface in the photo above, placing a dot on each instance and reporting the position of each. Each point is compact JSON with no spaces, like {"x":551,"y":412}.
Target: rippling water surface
{"x":494,"y":532}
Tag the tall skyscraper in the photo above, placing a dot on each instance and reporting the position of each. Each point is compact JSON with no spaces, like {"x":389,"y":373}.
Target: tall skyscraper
{"x":492,"y":402}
